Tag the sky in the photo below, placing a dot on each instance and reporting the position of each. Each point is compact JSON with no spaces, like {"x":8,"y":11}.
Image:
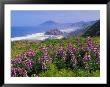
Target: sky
{"x":36,"y":17}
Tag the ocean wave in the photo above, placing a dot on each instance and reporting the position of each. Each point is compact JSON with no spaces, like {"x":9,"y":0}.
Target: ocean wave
{"x":37,"y":36}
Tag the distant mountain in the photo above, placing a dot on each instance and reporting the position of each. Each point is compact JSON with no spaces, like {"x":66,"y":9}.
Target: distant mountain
{"x":52,"y":23}
{"x":94,"y":30}
{"x":83,"y":24}
{"x":65,"y":28}
{"x":79,"y":24}
{"x":47,"y":25}
{"x":54,"y":32}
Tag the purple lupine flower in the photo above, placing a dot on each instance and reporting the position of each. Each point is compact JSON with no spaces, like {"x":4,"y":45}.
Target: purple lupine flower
{"x":29,"y":64}
{"x":98,"y":57}
{"x":89,"y":44}
{"x":62,"y":53}
{"x":87,"y":57}
{"x":29,"y":53}
{"x":18,"y":58}
{"x":73,"y":60}
{"x":95,"y":49}
{"x":22,"y":72}
{"x":43,"y":63}
{"x":44,"y":49}
{"x":71,"y":48}
{"x":13,"y":72}
{"x":64,"y":57}
{"x":45,"y":58}
{"x":45,"y":53}
{"x":13,"y":62}
{"x":42,"y":59}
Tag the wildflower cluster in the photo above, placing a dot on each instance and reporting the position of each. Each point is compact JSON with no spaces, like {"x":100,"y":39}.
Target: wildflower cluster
{"x":92,"y":54}
{"x":45,"y":58}
{"x":22,"y":64}
{"x":89,"y":44}
{"x":82,"y":55}
{"x":61,"y":53}
{"x":71,"y":51}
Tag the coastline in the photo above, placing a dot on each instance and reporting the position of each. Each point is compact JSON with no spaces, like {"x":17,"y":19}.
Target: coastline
{"x":37,"y":36}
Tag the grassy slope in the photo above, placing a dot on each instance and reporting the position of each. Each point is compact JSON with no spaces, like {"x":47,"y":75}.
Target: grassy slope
{"x":19,"y":47}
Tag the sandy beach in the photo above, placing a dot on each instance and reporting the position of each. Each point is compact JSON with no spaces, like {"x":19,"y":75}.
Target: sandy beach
{"x":37,"y":36}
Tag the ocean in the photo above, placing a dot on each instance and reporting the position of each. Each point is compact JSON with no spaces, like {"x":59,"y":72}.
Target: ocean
{"x":23,"y":31}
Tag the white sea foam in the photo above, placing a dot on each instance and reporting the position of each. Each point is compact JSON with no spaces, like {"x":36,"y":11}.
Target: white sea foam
{"x":68,"y":30}
{"x":37,"y":36}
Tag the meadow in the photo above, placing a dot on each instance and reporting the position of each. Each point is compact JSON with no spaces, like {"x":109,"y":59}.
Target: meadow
{"x":67,"y":57}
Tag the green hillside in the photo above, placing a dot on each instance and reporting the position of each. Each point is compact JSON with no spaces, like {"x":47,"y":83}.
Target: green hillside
{"x":94,"y":30}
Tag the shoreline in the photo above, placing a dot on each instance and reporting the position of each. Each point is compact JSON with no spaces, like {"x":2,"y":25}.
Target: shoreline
{"x":37,"y":36}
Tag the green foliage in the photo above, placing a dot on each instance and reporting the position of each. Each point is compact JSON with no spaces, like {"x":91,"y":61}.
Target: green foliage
{"x":94,"y":30}
{"x":54,"y":72}
{"x":50,"y":72}
{"x":87,"y":73}
{"x":58,"y":68}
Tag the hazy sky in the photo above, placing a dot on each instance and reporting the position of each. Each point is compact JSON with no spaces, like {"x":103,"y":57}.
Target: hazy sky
{"x":35,"y":17}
